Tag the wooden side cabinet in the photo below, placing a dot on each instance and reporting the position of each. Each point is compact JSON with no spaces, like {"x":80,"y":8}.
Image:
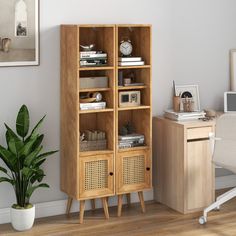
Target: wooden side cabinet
{"x":185,"y":172}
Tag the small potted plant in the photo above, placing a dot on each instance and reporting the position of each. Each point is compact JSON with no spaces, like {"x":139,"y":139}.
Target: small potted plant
{"x":23,"y":158}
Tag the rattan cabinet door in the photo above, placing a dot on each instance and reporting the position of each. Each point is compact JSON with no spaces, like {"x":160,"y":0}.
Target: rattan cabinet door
{"x":96,"y":176}
{"x":133,"y":171}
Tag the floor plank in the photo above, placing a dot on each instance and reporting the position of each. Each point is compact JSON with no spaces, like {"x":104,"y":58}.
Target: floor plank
{"x":158,"y":220}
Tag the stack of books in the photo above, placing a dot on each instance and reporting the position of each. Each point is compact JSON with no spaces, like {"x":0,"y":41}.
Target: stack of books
{"x":130,"y":140}
{"x":183,"y":116}
{"x":92,"y":106}
{"x":130,"y":61}
{"x":93,"y":58}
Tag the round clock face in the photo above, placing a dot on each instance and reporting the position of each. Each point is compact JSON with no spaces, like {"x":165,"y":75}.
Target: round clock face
{"x":126,"y":48}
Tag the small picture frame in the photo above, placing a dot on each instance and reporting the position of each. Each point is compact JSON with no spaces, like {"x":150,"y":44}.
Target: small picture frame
{"x":189,"y":91}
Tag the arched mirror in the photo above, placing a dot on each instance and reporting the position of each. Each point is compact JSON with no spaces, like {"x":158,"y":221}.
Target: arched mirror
{"x":20,"y":19}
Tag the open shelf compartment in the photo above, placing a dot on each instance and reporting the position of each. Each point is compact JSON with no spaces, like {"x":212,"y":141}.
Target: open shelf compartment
{"x":140,"y":76}
{"x":102,"y":122}
{"x":140,"y":37}
{"x":107,"y":93}
{"x":103,"y":37}
{"x":140,"y":120}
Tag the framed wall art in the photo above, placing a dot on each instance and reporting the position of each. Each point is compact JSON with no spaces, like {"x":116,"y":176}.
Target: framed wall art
{"x":233,"y":70}
{"x":188,"y":91}
{"x":19,"y":32}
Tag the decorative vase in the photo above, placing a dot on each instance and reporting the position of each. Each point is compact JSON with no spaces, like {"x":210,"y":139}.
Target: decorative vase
{"x":22,"y":219}
{"x":6,"y":44}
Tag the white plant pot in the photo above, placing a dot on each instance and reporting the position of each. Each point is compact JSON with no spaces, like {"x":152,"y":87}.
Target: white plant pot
{"x":22,"y":219}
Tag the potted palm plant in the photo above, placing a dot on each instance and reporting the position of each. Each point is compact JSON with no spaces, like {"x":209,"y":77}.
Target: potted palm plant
{"x":23,"y":158}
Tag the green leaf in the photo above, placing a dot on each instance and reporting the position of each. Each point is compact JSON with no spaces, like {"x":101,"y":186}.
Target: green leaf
{"x":22,"y":121}
{"x":30,"y":158}
{"x":31,"y":189}
{"x":7,"y":158}
{"x":35,"y":129}
{"x":27,"y":148}
{"x":3,"y":170}
{"x":11,"y":132}
{"x":28,"y":172}
{"x":38,"y":142}
{"x":38,"y":176}
{"x":4,"y":179}
{"x":38,"y":163}
{"x":43,"y":155}
{"x":13,"y":141}
{"x":7,"y":135}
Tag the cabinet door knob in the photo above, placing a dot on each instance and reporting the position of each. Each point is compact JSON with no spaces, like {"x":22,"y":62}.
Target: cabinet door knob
{"x":148,"y":168}
{"x":111,"y":173}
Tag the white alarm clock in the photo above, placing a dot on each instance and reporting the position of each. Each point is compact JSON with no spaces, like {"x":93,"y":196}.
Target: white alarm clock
{"x":126,"y":47}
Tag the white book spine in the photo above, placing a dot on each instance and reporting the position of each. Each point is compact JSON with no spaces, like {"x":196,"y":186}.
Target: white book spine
{"x":131,"y":63}
{"x":99,"y":55}
{"x":128,"y":59}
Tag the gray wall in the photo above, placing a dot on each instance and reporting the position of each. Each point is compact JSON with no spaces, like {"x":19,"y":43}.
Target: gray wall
{"x":7,"y":24}
{"x":191,"y":42}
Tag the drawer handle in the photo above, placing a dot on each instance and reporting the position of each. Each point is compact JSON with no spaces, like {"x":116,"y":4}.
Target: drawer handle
{"x":148,"y":168}
{"x":111,"y":174}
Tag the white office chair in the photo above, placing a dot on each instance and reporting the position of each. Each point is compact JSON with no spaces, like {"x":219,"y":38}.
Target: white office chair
{"x":224,"y":155}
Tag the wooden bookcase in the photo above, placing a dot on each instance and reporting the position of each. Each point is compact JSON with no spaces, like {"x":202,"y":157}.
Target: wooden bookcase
{"x":100,"y":174}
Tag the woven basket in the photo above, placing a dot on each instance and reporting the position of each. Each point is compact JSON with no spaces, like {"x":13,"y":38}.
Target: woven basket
{"x":93,"y":145}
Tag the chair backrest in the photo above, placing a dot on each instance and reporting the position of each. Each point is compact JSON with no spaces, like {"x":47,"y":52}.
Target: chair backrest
{"x":225,"y":148}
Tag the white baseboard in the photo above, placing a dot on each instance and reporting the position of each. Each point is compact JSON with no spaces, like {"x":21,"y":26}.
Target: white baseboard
{"x":227,"y":181}
{"x":54,"y":208}
{"x":59,"y":207}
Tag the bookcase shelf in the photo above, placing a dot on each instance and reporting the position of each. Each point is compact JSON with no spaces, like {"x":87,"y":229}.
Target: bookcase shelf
{"x":95,"y":111}
{"x":132,"y":87}
{"x":134,"y":67}
{"x":142,"y":107}
{"x":133,"y":149}
{"x":94,"y":90}
{"x":96,"y":68}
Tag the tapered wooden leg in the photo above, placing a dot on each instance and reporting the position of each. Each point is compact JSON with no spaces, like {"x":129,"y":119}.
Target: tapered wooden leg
{"x":68,"y":207}
{"x":140,"y":194}
{"x":93,"y":204}
{"x":119,"y":205}
{"x":81,"y":211}
{"x":105,"y":207}
{"x":128,"y":199}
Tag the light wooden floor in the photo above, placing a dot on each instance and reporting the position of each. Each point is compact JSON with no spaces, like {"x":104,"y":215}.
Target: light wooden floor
{"x":159,"y":220}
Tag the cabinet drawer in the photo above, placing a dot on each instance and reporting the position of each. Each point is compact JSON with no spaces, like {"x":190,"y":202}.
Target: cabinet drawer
{"x":198,"y":133}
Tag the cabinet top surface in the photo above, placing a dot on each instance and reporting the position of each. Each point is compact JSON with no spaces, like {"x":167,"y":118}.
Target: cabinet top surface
{"x":108,"y":25}
{"x":189,"y":123}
